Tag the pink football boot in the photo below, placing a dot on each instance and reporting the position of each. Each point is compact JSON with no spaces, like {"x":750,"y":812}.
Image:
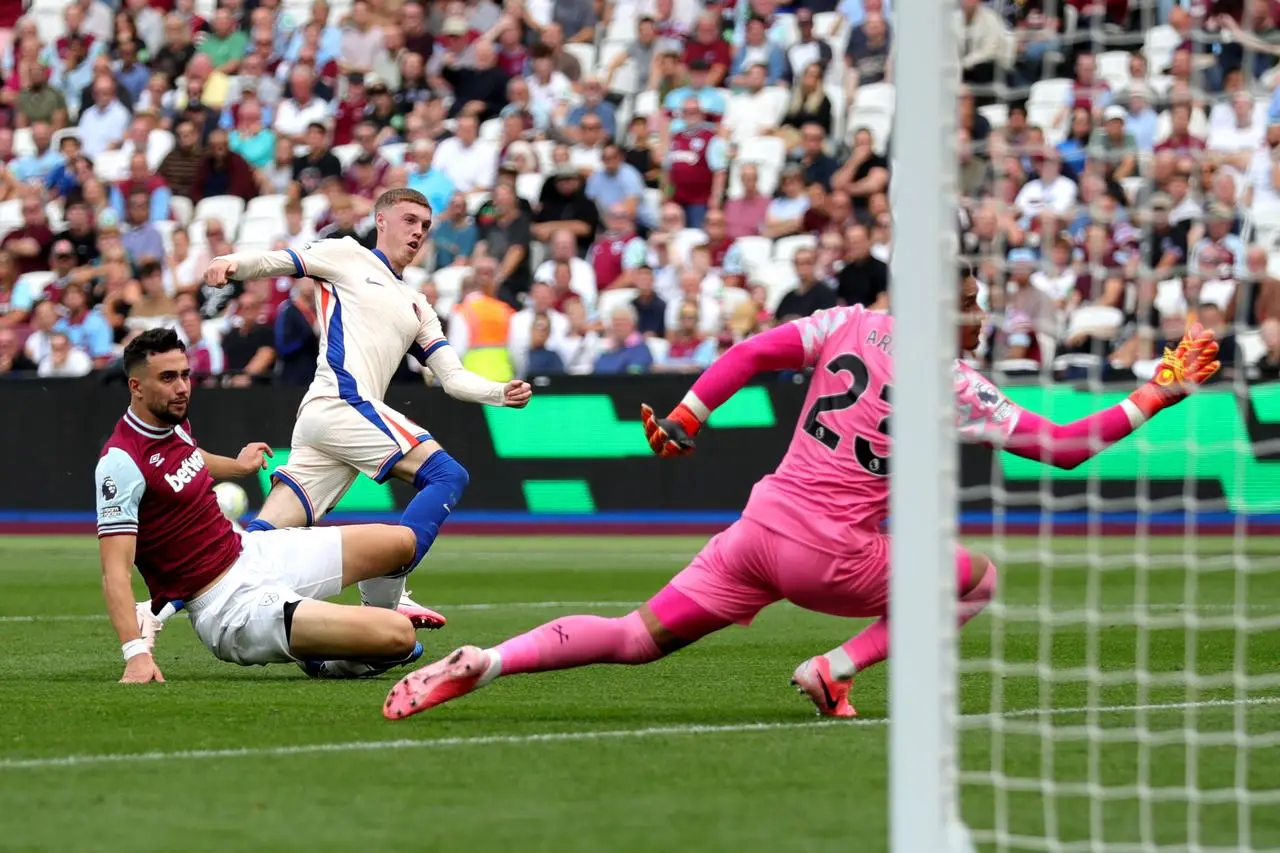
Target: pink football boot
{"x":831,"y":697}
{"x":422,"y":617}
{"x":448,"y":678}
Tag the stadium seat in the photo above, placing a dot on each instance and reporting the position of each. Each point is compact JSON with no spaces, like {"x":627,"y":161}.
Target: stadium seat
{"x":659,"y":349}
{"x":491,"y":129}
{"x":1158,"y":47}
{"x":24,"y":145}
{"x":876,"y":97}
{"x":786,"y":248}
{"x":159,"y":144}
{"x":416,"y":276}
{"x":448,"y":282}
{"x":1251,"y":346}
{"x":651,"y":205}
{"x":475,"y":201}
{"x":790,"y":30}
{"x":544,"y":148}
{"x":625,"y":79}
{"x":1092,"y":319}
{"x":1218,"y":293}
{"x":49,"y":24}
{"x":265,"y":205}
{"x":1169,"y":300}
{"x":346,"y":154}
{"x":731,"y":298}
{"x":778,"y":278}
{"x":36,"y":281}
{"x":261,"y":230}
{"x":832,"y":26}
{"x":1113,"y":67}
{"x":314,"y":206}
{"x":682,"y":244}
{"x":165,"y":227}
{"x":622,"y":28}
{"x":227,"y":209}
{"x":996,"y":114}
{"x":111,"y":166}
{"x":393,"y":153}
{"x":768,"y":153}
{"x":755,"y":252}
{"x":647,"y":103}
{"x":529,"y":186}
{"x":196,"y":234}
{"x":585,"y":54}
{"x":10,"y":215}
{"x":182,"y":209}
{"x":611,"y":299}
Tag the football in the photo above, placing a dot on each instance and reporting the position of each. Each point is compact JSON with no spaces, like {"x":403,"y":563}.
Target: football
{"x":232,"y":500}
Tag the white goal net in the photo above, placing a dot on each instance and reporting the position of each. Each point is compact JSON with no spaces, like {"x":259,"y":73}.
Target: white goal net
{"x":1119,"y":174}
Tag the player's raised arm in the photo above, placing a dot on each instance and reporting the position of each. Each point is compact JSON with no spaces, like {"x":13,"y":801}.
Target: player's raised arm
{"x":983,"y":414}
{"x":791,"y":346}
{"x":315,"y":260}
{"x":120,"y":486}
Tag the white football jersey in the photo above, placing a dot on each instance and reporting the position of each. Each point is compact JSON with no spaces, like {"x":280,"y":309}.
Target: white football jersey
{"x":369,"y":318}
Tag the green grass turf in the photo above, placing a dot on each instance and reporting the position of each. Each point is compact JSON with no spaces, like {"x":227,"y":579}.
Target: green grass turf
{"x":800,"y":785}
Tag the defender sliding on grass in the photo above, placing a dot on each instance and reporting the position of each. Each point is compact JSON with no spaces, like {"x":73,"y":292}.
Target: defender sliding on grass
{"x":810,"y":532}
{"x":253,"y":597}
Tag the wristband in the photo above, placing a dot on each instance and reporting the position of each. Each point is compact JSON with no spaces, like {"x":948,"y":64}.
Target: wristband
{"x":133,"y":648}
{"x":685,"y":416}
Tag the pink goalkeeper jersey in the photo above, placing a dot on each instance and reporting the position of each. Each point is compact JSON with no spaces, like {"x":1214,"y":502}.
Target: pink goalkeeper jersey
{"x":833,"y":484}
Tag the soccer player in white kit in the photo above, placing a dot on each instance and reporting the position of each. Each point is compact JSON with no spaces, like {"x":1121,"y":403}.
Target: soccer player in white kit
{"x":369,"y":320}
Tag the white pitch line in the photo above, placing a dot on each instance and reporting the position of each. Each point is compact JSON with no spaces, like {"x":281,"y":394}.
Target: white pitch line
{"x":562,"y":737}
{"x":560,"y":605}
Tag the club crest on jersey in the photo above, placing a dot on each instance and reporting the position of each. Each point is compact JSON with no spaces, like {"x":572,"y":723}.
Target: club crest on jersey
{"x":109,"y":489}
{"x":186,"y":472}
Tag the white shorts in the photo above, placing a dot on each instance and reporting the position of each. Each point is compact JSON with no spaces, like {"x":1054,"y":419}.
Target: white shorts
{"x":241,"y":619}
{"x":334,"y":440}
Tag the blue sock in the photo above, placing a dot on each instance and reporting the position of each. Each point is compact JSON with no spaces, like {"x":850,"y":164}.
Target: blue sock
{"x":440,"y":483}
{"x":258,"y":524}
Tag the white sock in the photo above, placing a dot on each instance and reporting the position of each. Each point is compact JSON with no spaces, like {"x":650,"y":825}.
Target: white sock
{"x":495,"y":667}
{"x":382,"y":592}
{"x":842,"y":666}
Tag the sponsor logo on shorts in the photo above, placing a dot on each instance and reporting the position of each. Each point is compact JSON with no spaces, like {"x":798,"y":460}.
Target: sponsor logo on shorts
{"x":109,"y":489}
{"x":269,"y":599}
{"x":186,"y":472}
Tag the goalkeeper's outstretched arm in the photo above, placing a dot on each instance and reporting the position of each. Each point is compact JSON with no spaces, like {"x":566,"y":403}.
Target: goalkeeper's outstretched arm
{"x":1069,"y":445}
{"x":780,"y":348}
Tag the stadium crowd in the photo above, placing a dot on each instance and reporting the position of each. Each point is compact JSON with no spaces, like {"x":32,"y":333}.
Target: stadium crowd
{"x":627,"y":186}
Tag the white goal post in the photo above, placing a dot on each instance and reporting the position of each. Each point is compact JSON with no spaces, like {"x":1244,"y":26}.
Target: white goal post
{"x":924,"y":813}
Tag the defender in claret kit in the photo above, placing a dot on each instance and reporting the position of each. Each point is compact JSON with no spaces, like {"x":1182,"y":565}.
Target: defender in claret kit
{"x":256,"y":597}
{"x":811,"y":531}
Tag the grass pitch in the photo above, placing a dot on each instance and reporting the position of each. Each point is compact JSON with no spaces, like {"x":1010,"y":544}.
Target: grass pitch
{"x":707,"y":751}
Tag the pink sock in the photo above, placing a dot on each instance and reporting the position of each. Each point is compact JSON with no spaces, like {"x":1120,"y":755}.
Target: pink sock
{"x":574,"y":641}
{"x":976,"y":600}
{"x":871,"y":646}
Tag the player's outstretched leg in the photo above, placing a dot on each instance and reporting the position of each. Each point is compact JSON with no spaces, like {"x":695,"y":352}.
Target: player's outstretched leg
{"x":440,"y":481}
{"x":826,"y":679}
{"x":669,"y":621}
{"x":344,"y":641}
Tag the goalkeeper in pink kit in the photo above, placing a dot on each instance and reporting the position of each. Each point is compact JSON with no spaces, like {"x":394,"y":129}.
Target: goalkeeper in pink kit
{"x":811,"y":531}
